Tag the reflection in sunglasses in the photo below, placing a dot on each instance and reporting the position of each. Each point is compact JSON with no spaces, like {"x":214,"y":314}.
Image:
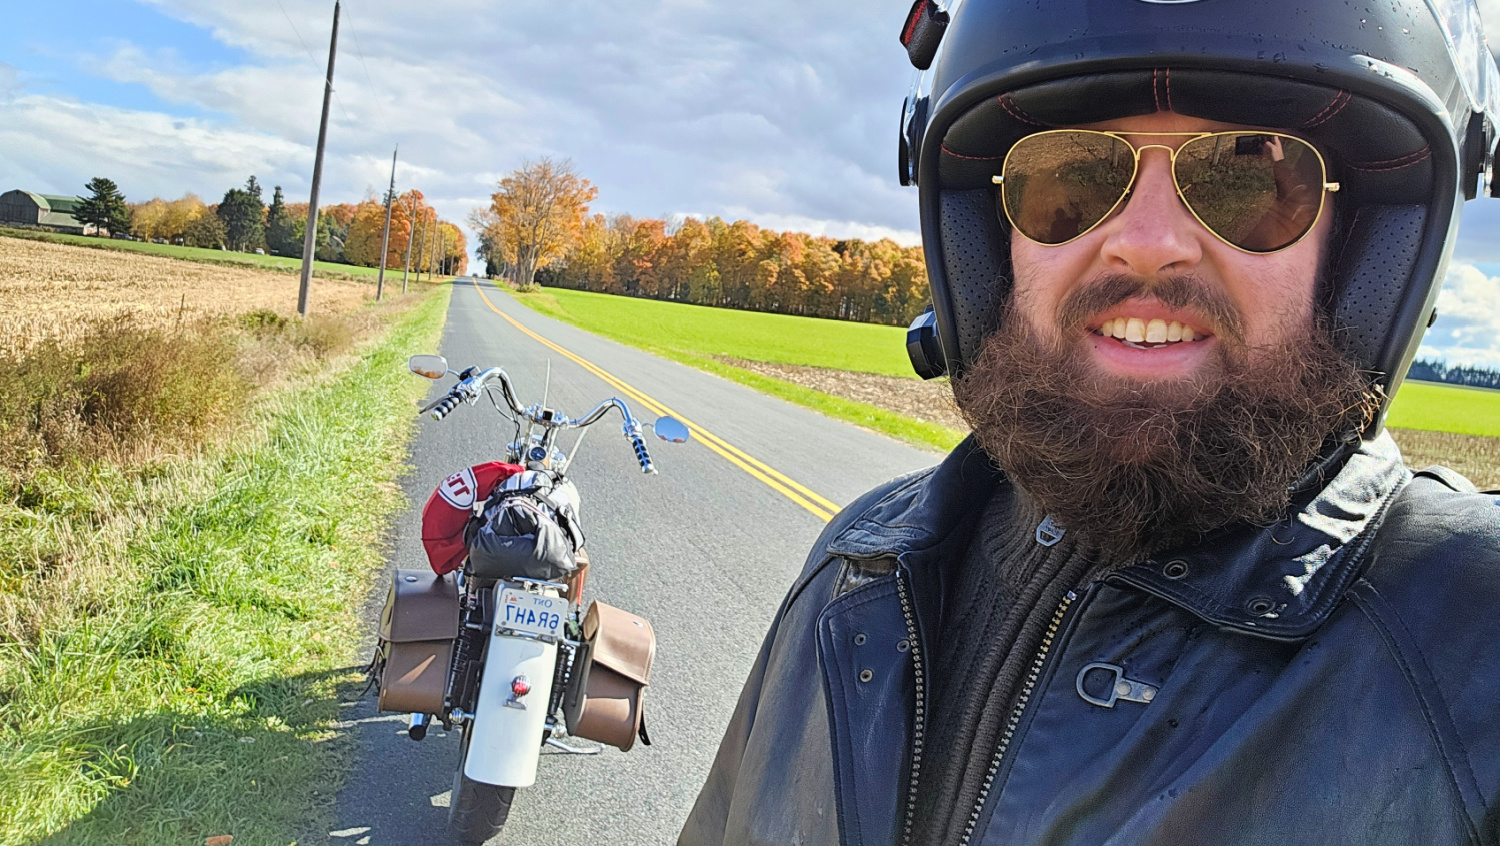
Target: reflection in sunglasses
{"x":1259,"y":192}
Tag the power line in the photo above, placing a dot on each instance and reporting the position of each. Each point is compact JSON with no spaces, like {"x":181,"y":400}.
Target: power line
{"x":359,"y":51}
{"x":310,"y":58}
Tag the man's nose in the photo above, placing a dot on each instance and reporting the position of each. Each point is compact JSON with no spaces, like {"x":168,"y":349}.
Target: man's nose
{"x":1154,"y":234}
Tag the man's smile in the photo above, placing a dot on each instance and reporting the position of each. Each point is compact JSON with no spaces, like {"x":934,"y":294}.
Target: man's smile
{"x":1142,"y":337}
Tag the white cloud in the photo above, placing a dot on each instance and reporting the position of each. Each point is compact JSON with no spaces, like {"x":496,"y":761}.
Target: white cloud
{"x":56,"y":145}
{"x":780,"y":111}
{"x":1467,"y":331}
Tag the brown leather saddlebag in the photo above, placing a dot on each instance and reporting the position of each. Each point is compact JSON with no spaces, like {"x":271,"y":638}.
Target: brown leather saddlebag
{"x":610,"y":674}
{"x":417,"y":630}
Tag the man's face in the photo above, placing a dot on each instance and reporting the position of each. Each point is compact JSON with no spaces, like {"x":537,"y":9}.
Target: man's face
{"x":1145,"y":442}
{"x":1262,"y":299}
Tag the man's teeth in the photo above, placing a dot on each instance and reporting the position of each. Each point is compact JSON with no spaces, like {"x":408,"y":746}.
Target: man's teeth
{"x":1154,"y":331}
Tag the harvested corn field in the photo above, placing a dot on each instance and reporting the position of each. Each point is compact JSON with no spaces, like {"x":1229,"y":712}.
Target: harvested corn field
{"x":53,"y":290}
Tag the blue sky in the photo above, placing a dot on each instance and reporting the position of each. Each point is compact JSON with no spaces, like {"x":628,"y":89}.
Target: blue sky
{"x":778,"y":111}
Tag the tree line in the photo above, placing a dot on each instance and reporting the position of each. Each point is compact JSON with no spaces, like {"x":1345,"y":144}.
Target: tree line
{"x":1437,"y":371}
{"x":348,"y":233}
{"x":537,"y":230}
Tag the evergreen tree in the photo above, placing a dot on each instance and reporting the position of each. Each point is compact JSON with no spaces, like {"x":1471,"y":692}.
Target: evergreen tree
{"x":244,"y":217}
{"x":281,"y":231}
{"x":206,"y":230}
{"x":104,"y":207}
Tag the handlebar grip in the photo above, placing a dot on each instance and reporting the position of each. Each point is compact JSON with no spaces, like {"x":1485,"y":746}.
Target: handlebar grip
{"x":448,"y":404}
{"x":641,"y":454}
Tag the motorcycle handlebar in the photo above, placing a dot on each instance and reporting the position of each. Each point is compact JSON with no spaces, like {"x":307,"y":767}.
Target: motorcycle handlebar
{"x":445,"y":406}
{"x":641,"y":454}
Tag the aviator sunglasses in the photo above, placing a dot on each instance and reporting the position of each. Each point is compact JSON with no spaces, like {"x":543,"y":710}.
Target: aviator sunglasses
{"x":1259,"y":192}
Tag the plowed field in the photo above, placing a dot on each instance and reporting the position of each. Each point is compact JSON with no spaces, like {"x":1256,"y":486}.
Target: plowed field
{"x":51,"y":290}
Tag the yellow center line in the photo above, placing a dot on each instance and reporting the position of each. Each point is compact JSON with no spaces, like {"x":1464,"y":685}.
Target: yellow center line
{"x":822,"y":508}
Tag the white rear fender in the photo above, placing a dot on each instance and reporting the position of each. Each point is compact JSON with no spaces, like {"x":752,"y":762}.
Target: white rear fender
{"x":506,"y":738}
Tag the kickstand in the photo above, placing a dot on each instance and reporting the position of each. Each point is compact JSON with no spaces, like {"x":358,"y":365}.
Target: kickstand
{"x":573,"y":750}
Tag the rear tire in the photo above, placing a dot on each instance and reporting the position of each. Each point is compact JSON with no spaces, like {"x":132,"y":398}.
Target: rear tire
{"x":476,"y":811}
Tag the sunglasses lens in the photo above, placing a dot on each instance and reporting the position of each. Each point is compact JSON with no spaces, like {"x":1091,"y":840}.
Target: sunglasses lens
{"x":1058,"y":185}
{"x":1260,"y":192}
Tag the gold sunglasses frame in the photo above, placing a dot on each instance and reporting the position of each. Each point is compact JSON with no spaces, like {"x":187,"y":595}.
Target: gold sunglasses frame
{"x":1124,"y":137}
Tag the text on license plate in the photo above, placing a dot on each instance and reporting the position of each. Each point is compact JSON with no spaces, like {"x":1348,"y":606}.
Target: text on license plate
{"x":527,"y":612}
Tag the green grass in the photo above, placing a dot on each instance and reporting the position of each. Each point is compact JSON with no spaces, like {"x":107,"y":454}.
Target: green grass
{"x":190,"y":685}
{"x":1446,"y":408}
{"x":284,"y":264}
{"x":692,"y":334}
{"x":749,"y":335}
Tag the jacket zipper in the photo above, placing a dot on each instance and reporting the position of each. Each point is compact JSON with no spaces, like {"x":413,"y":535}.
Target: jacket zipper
{"x":1015,"y":716}
{"x":920,"y":717}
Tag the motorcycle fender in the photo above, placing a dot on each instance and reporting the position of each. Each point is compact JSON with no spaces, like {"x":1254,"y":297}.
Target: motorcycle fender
{"x":506,"y":740}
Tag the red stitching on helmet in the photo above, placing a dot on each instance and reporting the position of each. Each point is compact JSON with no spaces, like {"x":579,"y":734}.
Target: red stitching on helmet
{"x":1155,"y":89}
{"x":1015,"y":111}
{"x":911,"y":25}
{"x":970,"y":158}
{"x":1341,"y":99}
{"x":1169,"y":89}
{"x":1396,"y":164}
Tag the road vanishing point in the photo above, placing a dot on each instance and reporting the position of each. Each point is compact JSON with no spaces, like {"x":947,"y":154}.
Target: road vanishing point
{"x":705,"y":551}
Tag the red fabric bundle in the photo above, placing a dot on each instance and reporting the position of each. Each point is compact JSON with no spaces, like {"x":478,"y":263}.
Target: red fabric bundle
{"x":449,"y":509}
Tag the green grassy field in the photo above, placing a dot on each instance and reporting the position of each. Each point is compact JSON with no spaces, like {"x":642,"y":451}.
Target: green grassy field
{"x":281,"y":263}
{"x":696,"y":334}
{"x":750,"y":335}
{"x":1447,"y":408}
{"x":199,"y":695}
{"x":693,"y":335}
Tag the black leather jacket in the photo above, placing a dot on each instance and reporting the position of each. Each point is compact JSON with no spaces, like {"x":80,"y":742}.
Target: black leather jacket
{"x":1334,"y":678}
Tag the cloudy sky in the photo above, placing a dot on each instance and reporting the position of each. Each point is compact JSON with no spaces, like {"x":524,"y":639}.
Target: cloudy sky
{"x":778,"y":111}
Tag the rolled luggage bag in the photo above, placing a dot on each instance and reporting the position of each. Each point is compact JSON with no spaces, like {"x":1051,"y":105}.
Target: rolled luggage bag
{"x":603,"y":700}
{"x":417,"y":631}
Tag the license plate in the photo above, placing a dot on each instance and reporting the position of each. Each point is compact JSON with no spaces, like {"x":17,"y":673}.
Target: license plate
{"x":520,"y":611}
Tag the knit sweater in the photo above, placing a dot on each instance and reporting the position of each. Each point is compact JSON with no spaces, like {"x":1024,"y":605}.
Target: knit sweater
{"x":995,"y":614}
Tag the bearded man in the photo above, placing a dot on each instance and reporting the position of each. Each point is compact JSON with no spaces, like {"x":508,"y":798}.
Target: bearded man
{"x":1178,"y":587}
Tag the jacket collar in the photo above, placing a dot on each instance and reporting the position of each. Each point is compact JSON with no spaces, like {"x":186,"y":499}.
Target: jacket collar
{"x":1279,"y":581}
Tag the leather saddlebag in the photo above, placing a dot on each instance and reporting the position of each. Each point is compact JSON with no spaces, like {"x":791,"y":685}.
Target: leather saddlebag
{"x":417,"y":631}
{"x":610,"y":674}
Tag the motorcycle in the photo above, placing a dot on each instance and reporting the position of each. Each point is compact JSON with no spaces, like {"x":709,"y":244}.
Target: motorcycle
{"x":526,"y":666}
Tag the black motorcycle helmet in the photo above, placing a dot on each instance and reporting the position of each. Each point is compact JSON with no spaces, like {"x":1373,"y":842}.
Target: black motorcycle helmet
{"x":1399,"y":95}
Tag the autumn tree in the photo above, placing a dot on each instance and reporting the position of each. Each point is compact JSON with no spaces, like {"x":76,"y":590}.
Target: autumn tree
{"x":362,"y":243}
{"x":536,"y":215}
{"x":166,"y":220}
{"x":739,"y":265}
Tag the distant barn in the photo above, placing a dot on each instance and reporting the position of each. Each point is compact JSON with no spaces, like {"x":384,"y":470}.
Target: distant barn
{"x":23,"y":208}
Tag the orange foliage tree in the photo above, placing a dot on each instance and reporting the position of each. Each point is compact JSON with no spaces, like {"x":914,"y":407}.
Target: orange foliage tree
{"x":536,"y":215}
{"x":739,"y":265}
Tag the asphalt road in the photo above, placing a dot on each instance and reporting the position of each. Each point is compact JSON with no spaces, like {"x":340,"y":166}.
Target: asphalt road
{"x":705,"y":550}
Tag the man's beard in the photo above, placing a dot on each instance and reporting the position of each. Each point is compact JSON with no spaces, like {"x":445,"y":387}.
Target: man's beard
{"x":1137,"y":467}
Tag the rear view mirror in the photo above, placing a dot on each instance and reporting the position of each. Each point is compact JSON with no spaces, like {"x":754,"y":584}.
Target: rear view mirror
{"x":431,"y":366}
{"x":670,"y":429}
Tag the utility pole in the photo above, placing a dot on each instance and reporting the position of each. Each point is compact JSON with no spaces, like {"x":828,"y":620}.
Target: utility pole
{"x":385,"y":240}
{"x":432,"y":254}
{"x":411,"y":231}
{"x":421,"y":243}
{"x":310,"y":243}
